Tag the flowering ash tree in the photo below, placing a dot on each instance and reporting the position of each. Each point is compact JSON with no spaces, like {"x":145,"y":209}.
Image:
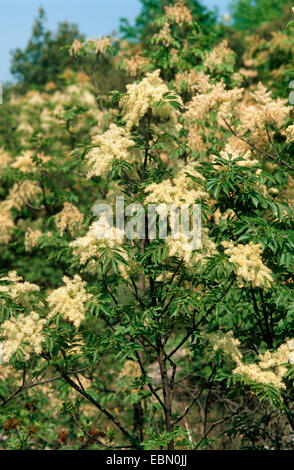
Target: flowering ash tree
{"x":111,"y":341}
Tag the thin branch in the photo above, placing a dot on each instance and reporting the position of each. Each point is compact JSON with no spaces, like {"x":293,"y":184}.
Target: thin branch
{"x":220,"y":421}
{"x":272,"y":143}
{"x":188,"y":408}
{"x":94,"y":402}
{"x":266,"y":154}
{"x":27,"y":203}
{"x":28,"y":386}
{"x":148,"y":383}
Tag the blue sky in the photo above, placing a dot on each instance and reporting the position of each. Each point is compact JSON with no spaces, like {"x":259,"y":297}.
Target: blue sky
{"x":93,"y":17}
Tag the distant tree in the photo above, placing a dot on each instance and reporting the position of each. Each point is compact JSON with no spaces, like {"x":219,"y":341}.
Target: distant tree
{"x":43,"y":59}
{"x":251,"y":14}
{"x":144,"y":23}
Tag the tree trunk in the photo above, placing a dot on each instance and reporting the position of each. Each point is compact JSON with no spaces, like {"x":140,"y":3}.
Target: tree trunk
{"x":166,"y":396}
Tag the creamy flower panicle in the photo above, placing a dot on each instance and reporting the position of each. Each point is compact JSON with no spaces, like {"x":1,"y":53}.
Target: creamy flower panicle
{"x":164,"y":36}
{"x":5,"y":159}
{"x":96,"y":45}
{"x":180,"y":190}
{"x":249,"y":266}
{"x":115,"y":143}
{"x":144,"y":96}
{"x":217,"y":98}
{"x":100,"y":235}
{"x":135,"y":64}
{"x":69,"y":300}
{"x":16,"y":288}
{"x":23,"y":193}
{"x":23,"y":333}
{"x":260,"y":111}
{"x":182,"y":246}
{"x":271,"y":368}
{"x":70,"y":218}
{"x":221,"y":54}
{"x":103,"y":234}
{"x":7,"y":224}
{"x":242,"y":158}
{"x":178,"y":13}
{"x":31,"y":238}
{"x":290,"y":133}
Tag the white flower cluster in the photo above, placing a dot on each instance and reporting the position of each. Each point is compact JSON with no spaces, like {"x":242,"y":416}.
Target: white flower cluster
{"x":114,"y":143}
{"x":69,"y":300}
{"x":96,"y":45}
{"x":7,"y":224}
{"x":145,"y":96}
{"x":31,"y":238}
{"x":69,"y":218}
{"x":183,"y":248}
{"x":179,"y":190}
{"x":264,"y":110}
{"x":244,"y":159}
{"x":17,"y":289}
{"x":178,"y":13}
{"x":270,"y":370}
{"x":216,"y":97}
{"x":24,"y":333}
{"x":100,"y":235}
{"x":249,"y":266}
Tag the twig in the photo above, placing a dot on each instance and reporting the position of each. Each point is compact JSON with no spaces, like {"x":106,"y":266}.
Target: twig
{"x":220,"y":421}
{"x":266,"y":154}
